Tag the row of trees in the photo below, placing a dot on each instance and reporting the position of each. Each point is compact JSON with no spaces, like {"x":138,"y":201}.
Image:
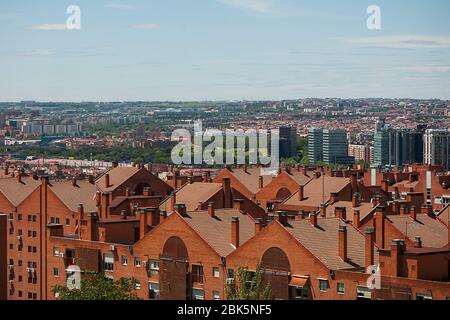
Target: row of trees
{"x":247,"y":286}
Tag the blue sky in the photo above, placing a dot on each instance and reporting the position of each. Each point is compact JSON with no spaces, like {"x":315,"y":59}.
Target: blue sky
{"x":223,"y":50}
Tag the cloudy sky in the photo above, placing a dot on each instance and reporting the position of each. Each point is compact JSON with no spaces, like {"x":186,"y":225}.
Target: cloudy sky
{"x":223,"y":50}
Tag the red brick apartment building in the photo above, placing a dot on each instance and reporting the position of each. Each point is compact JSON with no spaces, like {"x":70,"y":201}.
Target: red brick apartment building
{"x":314,"y":231}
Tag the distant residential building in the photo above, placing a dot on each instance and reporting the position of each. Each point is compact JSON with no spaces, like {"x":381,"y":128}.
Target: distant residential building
{"x":37,"y":129}
{"x":360,"y":152}
{"x":437,"y":147}
{"x":288,"y":142}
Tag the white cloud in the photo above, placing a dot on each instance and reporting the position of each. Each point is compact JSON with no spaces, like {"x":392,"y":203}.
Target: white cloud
{"x":120,"y":6}
{"x":49,"y":27}
{"x":148,"y":26}
{"x":427,"y":69}
{"x":254,"y":5}
{"x":40,"y":52}
{"x":403,"y":41}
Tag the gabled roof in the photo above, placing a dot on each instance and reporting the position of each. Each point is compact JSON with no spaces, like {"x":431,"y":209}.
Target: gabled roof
{"x":249,"y":178}
{"x":323,"y":242}
{"x":192,"y":194}
{"x":433,"y":232}
{"x":318,"y":191}
{"x":117,"y":176}
{"x":72,"y":196}
{"x":364,"y":209}
{"x":16,"y":192}
{"x":217,"y":231}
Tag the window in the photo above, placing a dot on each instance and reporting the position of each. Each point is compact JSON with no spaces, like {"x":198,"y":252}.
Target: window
{"x":34,"y":249}
{"x":323,"y":285}
{"x":11,"y":216}
{"x":137,"y":262}
{"x":340,"y":288}
{"x":300,"y":293}
{"x":19,"y":217}
{"x":124,"y":260}
{"x":19,"y":232}
{"x":34,"y":218}
{"x":153,"y":290}
{"x":154,"y":265}
{"x":30,"y":218}
{"x":19,"y":263}
{"x":216,"y":272}
{"x":30,"y":248}
{"x":34,"y":296}
{"x":108,"y":263}
{"x":230,"y":274}
{"x":20,"y":294}
{"x":11,"y":246}
{"x":138,"y":285}
{"x":423,"y":296}
{"x":54,"y":220}
{"x":56,"y":251}
{"x":197,"y":273}
{"x":30,"y":233}
{"x":20,"y":278}
{"x":216,"y":295}
{"x":198,"y":294}
{"x":56,"y":272}
{"x":34,"y":234}
{"x":30,"y":295}
{"x":67,"y":222}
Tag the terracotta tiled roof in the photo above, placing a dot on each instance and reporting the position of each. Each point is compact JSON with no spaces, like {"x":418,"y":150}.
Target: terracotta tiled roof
{"x":191,"y":194}
{"x":434,"y":233}
{"x":364,"y":209}
{"x":250,"y":179}
{"x":318,"y":191}
{"x":323,"y":242}
{"x":72,"y":196}
{"x":117,"y":176}
{"x":16,"y":192}
{"x":299,"y":177}
{"x":217,"y":231}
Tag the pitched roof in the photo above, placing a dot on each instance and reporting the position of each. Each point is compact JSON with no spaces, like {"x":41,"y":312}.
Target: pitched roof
{"x":323,"y":242}
{"x":72,"y":196}
{"x":433,"y":232}
{"x":364,"y":209}
{"x":250,"y":178}
{"x":217,"y":231}
{"x":318,"y":191}
{"x":117,"y":176}
{"x":192,"y":194}
{"x":16,"y":192}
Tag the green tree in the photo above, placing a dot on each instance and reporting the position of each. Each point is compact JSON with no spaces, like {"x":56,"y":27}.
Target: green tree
{"x":249,"y":285}
{"x":97,"y":287}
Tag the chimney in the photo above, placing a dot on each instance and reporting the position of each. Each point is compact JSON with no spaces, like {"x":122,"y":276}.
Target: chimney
{"x":6,"y":170}
{"x":154,"y":217}
{"x":123,"y":214}
{"x":395,"y":207}
{"x":370,"y":250}
{"x":238,"y":204}
{"x":74,"y":181}
{"x":91,"y":179}
{"x":397,"y":249}
{"x":376,"y":200}
{"x":354,"y":182}
{"x":90,"y":227}
{"x":227,"y":196}
{"x":355,"y":200}
{"x":379,"y":226}
{"x":418,"y":242}
{"x":200,"y":205}
{"x":385,"y":185}
{"x":150,"y":167}
{"x":323,"y":210}
{"x":235,"y":232}
{"x":282,"y":218}
{"x":413,"y":213}
{"x":127,"y":192}
{"x":356,"y":218}
{"x":427,"y":209}
{"x":143,"y":223}
{"x":317,"y":175}
{"x":313,"y":219}
{"x":206,"y":176}
{"x":301,"y":193}
{"x":107,"y":184}
{"x":403,"y":209}
{"x":341,"y":212}
{"x":245,"y":168}
{"x":115,"y":164}
{"x":261,"y":182}
{"x":334,"y":197}
{"x":343,"y":242}
{"x":211,"y":210}
{"x":258,"y":225}
{"x":19,"y":177}
{"x":80,"y":211}
{"x":173,"y":201}
{"x":304,"y":171}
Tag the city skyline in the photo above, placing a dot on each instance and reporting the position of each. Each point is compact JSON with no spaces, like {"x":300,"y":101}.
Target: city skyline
{"x":250,"y":50}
